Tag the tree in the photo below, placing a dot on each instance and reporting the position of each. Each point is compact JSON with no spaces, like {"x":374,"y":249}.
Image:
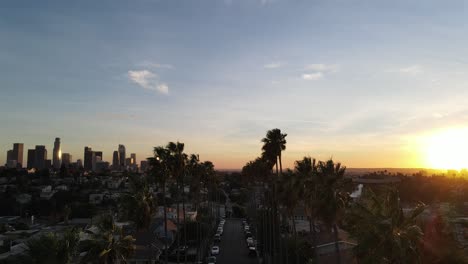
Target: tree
{"x":50,"y":248}
{"x":139,"y":205}
{"x":273,"y":144}
{"x":383,"y":232}
{"x":160,"y":171}
{"x":109,"y":244}
{"x":331,"y":197}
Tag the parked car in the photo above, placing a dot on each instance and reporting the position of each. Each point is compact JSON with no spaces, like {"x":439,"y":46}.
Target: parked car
{"x":211,"y":260}
{"x":250,"y":241}
{"x":220,"y":230}
{"x":217,"y":238}
{"x":252,"y":251}
{"x":248,"y":234}
{"x":215,"y":250}
{"x":246,"y":228}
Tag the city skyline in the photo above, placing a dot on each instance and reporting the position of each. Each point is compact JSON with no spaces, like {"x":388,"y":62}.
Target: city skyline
{"x":348,"y":81}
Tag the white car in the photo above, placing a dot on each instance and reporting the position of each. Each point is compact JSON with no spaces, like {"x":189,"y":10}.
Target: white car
{"x":246,"y":228}
{"x":250,"y":241}
{"x":215,"y":250}
{"x":220,"y":230}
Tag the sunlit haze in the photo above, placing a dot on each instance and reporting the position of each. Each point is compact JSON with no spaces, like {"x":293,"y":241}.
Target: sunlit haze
{"x":369,"y":83}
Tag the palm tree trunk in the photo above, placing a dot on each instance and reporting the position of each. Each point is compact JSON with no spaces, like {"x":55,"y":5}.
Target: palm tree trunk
{"x":185,"y":223}
{"x":313,"y":231}
{"x":165,"y":224}
{"x":295,"y":239}
{"x":280,"y":163}
{"x":178,"y":222}
{"x":337,"y":245}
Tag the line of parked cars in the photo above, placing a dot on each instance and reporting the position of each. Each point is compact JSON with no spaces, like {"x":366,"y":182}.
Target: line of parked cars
{"x":217,"y":238}
{"x":251,"y":243}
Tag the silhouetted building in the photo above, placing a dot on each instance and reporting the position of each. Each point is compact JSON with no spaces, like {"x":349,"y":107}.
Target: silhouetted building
{"x":31,"y":158}
{"x":101,"y":166}
{"x":56,"y":154}
{"x":88,"y":158}
{"x":40,"y":157}
{"x":143,"y":165}
{"x":48,"y":164}
{"x":18,"y":153}
{"x":79,"y":164}
{"x":9,"y":156}
{"x":122,"y":156}
{"x":66,"y":159}
{"x":115,"y":160}
{"x":133,"y":157}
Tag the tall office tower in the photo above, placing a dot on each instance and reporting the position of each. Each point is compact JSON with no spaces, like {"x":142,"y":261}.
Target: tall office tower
{"x":18,"y":153}
{"x":56,"y":154}
{"x":66,"y":159}
{"x":41,"y":157}
{"x":88,"y":158}
{"x":143,"y":165}
{"x":115,"y":160}
{"x":9,"y":156}
{"x":122,"y":156}
{"x":97,"y":156}
{"x":31,"y":158}
{"x":79,"y":163}
{"x":133,"y":157}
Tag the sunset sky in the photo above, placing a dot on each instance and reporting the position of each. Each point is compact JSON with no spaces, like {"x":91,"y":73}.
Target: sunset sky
{"x":364,"y":82}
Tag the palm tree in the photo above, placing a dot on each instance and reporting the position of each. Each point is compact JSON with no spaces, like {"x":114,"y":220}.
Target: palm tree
{"x":139,"y":205}
{"x":289,"y":193}
{"x":383,"y":231}
{"x":331,"y":197}
{"x":177,"y":167}
{"x":108,"y":245}
{"x":160,"y":171}
{"x":273,"y":144}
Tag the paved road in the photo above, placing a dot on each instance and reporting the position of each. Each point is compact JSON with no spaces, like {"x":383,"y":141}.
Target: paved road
{"x":233,"y":247}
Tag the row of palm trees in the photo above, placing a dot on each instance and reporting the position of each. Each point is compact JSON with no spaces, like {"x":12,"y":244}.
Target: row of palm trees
{"x":323,"y":191}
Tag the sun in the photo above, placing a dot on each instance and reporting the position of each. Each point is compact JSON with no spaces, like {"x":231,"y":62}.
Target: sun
{"x":448,"y":149}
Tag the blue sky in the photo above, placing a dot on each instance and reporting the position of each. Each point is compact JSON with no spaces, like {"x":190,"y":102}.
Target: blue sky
{"x":361,"y":81}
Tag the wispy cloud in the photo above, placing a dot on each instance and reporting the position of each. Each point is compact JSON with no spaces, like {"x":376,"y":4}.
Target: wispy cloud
{"x":148,"y":80}
{"x":150,"y":64}
{"x":318,"y":71}
{"x":273,"y":65}
{"x":322,"y":67}
{"x":411,"y":70}
{"x":312,"y":76}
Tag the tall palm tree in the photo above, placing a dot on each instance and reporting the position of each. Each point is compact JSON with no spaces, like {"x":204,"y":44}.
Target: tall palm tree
{"x":177,"y":167}
{"x":383,"y":231}
{"x":273,"y":144}
{"x":159,"y":169}
{"x":139,"y":205}
{"x":331,"y":197}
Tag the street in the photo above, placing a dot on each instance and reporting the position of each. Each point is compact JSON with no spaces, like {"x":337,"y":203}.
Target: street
{"x":233,"y":246}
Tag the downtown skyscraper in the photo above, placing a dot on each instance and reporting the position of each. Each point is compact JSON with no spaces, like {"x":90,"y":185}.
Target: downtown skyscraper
{"x":56,"y":154}
{"x":122,"y":156}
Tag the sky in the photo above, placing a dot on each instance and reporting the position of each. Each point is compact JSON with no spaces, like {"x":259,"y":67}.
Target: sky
{"x":359,"y":81}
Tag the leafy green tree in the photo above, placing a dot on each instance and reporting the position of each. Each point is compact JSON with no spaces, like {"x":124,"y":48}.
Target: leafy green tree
{"x":50,"y":248}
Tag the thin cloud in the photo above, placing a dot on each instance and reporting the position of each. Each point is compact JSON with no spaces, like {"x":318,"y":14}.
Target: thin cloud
{"x":272,"y":65}
{"x":322,"y":67}
{"x":312,"y":76}
{"x":148,"y":80}
{"x":411,"y":70}
{"x":150,"y":64}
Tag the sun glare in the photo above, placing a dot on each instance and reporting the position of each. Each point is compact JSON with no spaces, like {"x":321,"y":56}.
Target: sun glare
{"x":448,"y":149}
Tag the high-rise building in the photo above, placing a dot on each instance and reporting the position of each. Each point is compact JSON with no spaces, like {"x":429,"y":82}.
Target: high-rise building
{"x":88,"y":158}
{"x":18,"y":153}
{"x":115,"y":160}
{"x":122,"y":156}
{"x":133,"y":157}
{"x":97,"y":156}
{"x":128,"y":161}
{"x":66,"y":159}
{"x":9,"y":156}
{"x":31,"y":158}
{"x":40,"y":157}
{"x":143,"y":165}
{"x":79,"y":163}
{"x":56,"y":154}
